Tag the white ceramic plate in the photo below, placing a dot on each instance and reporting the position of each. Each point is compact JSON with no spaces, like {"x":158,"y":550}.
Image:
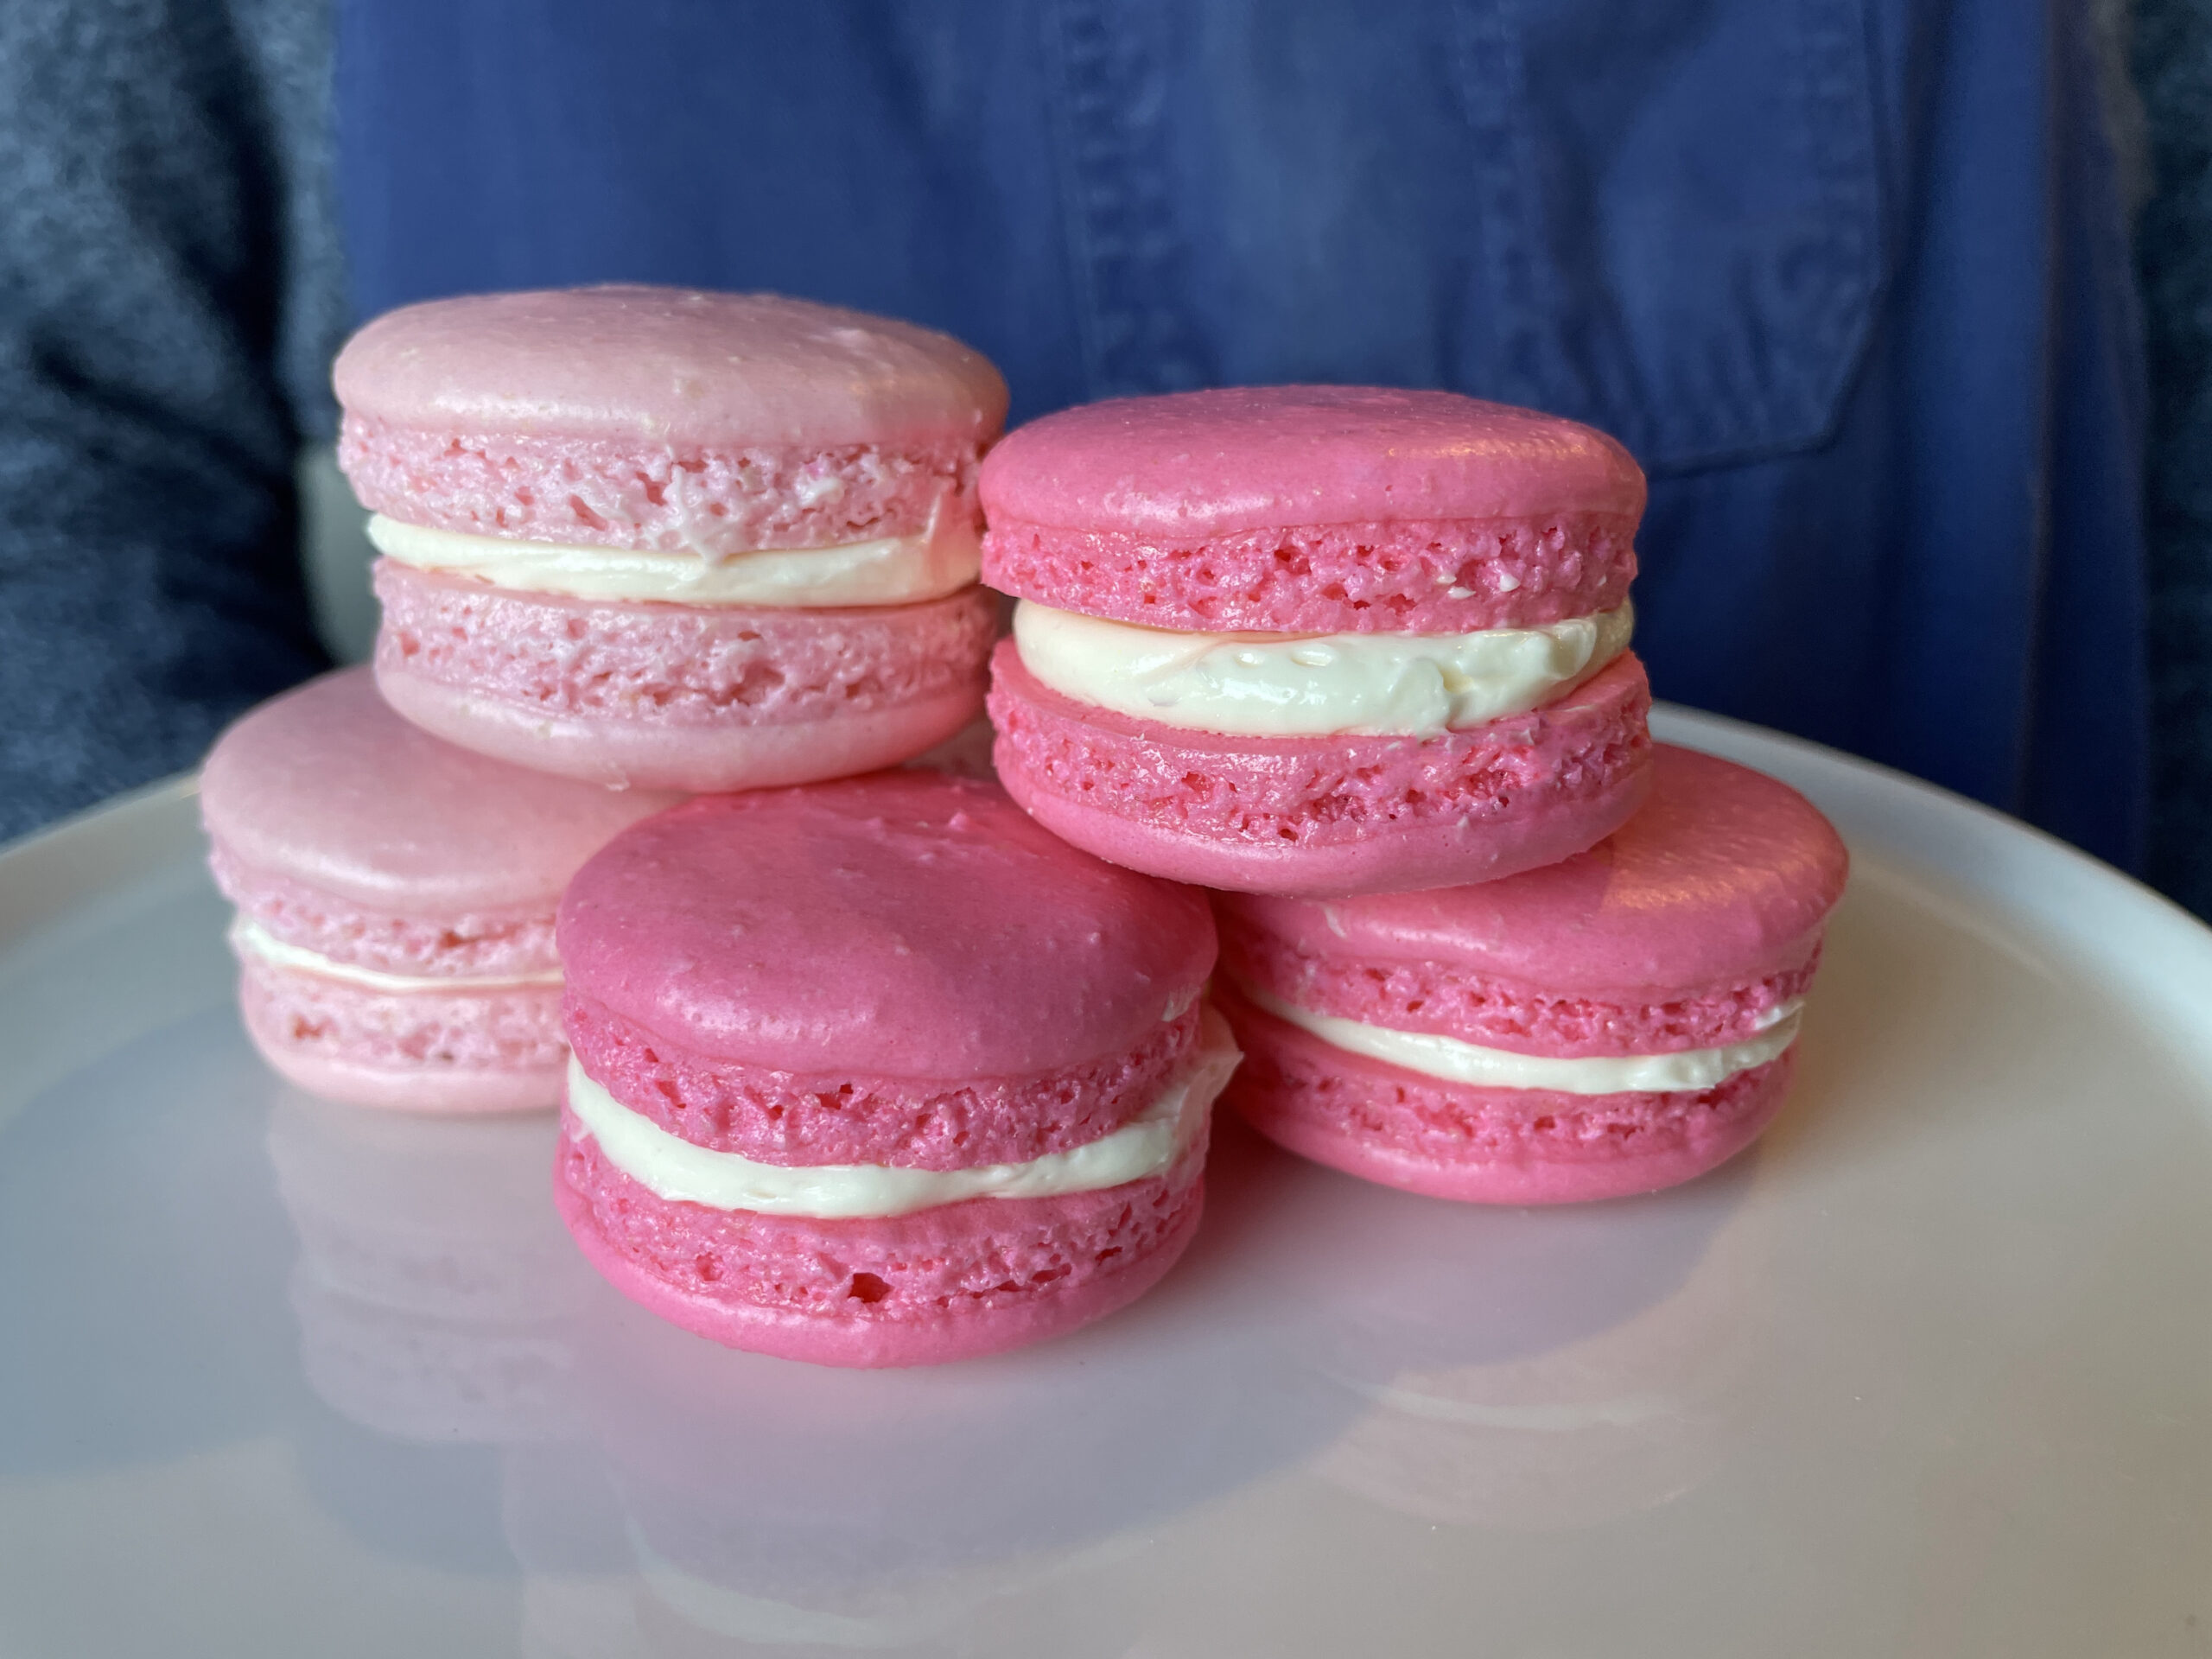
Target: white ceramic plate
{"x":1928,"y":1373}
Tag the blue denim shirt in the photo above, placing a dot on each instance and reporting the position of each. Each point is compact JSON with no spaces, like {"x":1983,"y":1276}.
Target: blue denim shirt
{"x":1848,"y":276}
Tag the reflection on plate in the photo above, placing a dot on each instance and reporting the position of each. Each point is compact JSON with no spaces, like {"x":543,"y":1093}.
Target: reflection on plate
{"x":789,"y":1506}
{"x":1517,"y":1367}
{"x":1598,"y":1425}
{"x":434,"y":1283}
{"x":1923,"y":1377}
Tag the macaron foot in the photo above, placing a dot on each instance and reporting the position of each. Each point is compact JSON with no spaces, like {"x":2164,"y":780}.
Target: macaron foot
{"x":1398,"y":1128}
{"x":866,"y":1323}
{"x":697,"y":759}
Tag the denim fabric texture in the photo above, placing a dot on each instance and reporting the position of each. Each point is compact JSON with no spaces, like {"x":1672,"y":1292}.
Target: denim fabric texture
{"x":2173,"y":63}
{"x":1850,"y":277}
{"x":169,"y":295}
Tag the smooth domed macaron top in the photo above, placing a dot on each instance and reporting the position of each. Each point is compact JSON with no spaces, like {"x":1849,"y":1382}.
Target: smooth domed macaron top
{"x":1203,"y":463}
{"x":679,"y":367}
{"x":325,"y":786}
{"x":904,"y":924}
{"x":1726,"y":875}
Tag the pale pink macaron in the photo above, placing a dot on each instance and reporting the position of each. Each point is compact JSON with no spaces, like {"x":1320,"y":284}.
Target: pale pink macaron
{"x":880,"y":1072}
{"x":679,"y":539}
{"x":396,"y":898}
{"x":1616,"y":1023}
{"x":1317,"y":640}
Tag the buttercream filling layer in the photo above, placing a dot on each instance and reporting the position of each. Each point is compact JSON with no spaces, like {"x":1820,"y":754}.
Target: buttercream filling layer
{"x":681,"y":1173}
{"x":1449,"y":1059}
{"x":891,"y":570}
{"x":1314,"y":685}
{"x":250,"y":939}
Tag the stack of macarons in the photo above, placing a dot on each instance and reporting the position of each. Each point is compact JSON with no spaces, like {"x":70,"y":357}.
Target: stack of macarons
{"x":871,"y":1067}
{"x":1358,"y":659}
{"x":872,"y":1072}
{"x":640,"y":542}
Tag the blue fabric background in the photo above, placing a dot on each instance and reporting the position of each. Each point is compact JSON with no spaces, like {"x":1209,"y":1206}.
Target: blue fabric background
{"x":2173,"y":63}
{"x":168,"y":291}
{"x":1849,"y":276}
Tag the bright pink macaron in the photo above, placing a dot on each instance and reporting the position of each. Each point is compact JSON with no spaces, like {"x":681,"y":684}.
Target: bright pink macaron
{"x":1318,"y":640}
{"x":396,"y":898}
{"x":882,"y":1073}
{"x":684,"y":540}
{"x":1616,"y":1023}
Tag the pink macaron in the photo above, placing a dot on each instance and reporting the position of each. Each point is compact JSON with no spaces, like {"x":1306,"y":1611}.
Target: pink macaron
{"x":396,"y":898}
{"x":1615,"y":1023}
{"x":1317,"y":640}
{"x":677,"y":539}
{"x":882,"y":1073}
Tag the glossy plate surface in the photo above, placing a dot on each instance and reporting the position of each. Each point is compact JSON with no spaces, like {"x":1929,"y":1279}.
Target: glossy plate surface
{"x":1930,"y":1372}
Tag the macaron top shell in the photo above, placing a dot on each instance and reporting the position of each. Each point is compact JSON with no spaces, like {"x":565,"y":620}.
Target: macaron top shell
{"x":904,"y":924}
{"x":326,"y":787}
{"x":668,"y":365}
{"x":1726,"y":875}
{"x":1207,"y":463}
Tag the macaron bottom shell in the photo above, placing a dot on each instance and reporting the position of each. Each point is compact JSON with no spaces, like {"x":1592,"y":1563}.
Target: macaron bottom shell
{"x":1326,"y":817}
{"x":700,"y":759}
{"x":1387,"y":1124}
{"x":457,"y":1051}
{"x":671,"y":696}
{"x":953,"y":1282}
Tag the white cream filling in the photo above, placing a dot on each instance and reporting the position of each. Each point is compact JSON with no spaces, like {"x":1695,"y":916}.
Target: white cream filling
{"x":1314,"y":685}
{"x":1454,"y":1061}
{"x":893,"y":570}
{"x":250,"y":939}
{"x":676,"y":1170}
